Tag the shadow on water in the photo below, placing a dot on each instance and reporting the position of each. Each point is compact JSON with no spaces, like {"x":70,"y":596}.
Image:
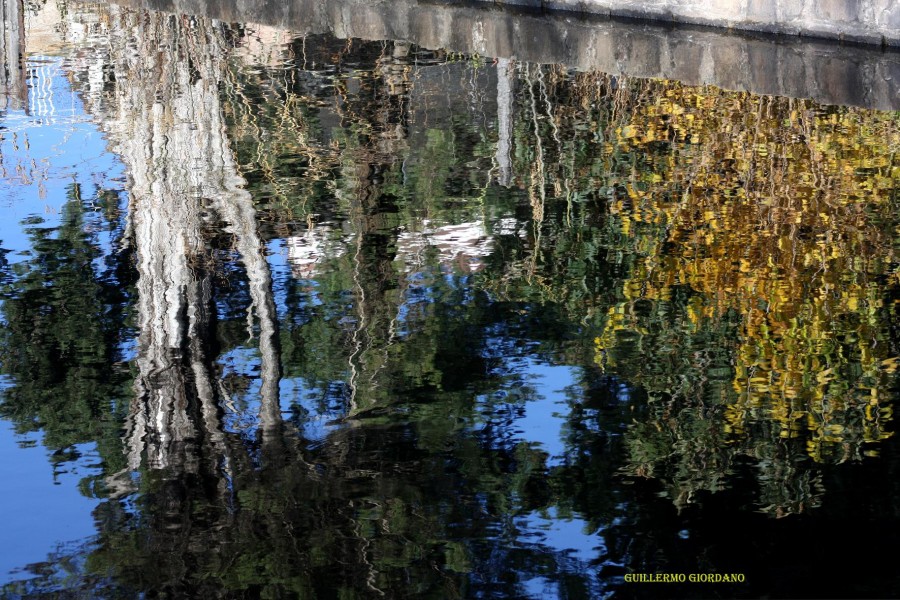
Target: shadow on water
{"x":384,"y":320}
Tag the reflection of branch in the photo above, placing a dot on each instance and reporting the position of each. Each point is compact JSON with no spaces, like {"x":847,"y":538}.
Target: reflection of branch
{"x":363,"y":555}
{"x":537,"y":201}
{"x":237,"y":209}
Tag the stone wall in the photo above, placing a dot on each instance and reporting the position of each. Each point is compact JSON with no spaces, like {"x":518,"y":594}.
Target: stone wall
{"x":800,"y":68}
{"x":785,"y":66}
{"x":867,"y":21}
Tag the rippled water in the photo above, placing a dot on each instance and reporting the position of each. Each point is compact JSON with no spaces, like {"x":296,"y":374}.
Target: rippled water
{"x":295,"y":315}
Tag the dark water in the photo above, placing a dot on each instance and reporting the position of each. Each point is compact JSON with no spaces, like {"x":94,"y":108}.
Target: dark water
{"x":301,"y":316}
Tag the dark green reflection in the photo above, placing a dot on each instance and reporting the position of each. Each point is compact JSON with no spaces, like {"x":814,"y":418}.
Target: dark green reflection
{"x":63,"y":313}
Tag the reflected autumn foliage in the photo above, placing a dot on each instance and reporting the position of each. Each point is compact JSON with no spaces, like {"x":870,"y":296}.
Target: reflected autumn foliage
{"x":764,"y":229}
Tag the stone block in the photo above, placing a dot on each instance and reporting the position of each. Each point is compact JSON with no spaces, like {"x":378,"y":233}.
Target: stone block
{"x":885,"y":85}
{"x":840,"y":81}
{"x":642,"y":50}
{"x":763,"y":67}
{"x":727,"y":11}
{"x":685,"y":57}
{"x":730,"y":64}
{"x":890,"y":16}
{"x":500,"y":36}
{"x":788,"y":10}
{"x":763,"y":11}
{"x":835,"y":10}
{"x":794,"y":76}
{"x":433,"y":27}
{"x":599,"y":51}
{"x":539,"y":41}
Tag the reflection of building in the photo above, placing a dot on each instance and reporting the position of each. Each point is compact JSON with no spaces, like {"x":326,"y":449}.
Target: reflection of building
{"x":457,"y":248}
{"x":41,"y":31}
{"x":47,"y":31}
{"x":307,"y":252}
{"x":264,"y":45}
{"x":461,"y":247}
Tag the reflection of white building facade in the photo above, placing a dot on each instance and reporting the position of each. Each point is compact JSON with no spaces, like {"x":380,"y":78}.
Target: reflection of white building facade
{"x":307,"y":252}
{"x":458,"y":248}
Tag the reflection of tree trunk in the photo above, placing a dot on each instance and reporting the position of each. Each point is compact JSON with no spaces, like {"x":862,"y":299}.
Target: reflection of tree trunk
{"x":171,"y":135}
{"x":12,"y":54}
{"x":166,"y":126}
{"x":374,"y":276}
{"x":375,"y":280}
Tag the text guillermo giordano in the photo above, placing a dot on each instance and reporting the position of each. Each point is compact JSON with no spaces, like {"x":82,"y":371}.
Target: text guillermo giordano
{"x":683,"y":578}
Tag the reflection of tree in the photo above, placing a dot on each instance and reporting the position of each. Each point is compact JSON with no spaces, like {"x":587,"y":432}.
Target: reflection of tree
{"x":60,"y":341}
{"x":773,"y":246}
{"x":647,"y":338}
{"x":171,"y":135}
{"x":741,"y":276}
{"x":389,"y":328}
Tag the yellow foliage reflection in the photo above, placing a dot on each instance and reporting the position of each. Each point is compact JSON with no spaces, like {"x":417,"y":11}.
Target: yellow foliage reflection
{"x":776,"y":216}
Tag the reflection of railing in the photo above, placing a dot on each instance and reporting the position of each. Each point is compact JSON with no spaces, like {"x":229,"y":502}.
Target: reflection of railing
{"x":40,"y":101}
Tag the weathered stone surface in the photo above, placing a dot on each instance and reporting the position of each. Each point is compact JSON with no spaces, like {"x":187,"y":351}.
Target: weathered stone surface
{"x":795,"y":77}
{"x":841,"y":78}
{"x":730,"y":60}
{"x":798,"y":67}
{"x":868,"y":21}
{"x":889,"y":16}
{"x":685,"y":57}
{"x":836,"y":10}
{"x":762,"y":11}
{"x":759,"y":68}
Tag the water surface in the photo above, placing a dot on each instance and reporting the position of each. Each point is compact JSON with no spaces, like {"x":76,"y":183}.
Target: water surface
{"x":298,"y":315}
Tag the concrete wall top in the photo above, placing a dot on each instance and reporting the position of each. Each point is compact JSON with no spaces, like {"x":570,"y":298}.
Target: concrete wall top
{"x":867,"y":21}
{"x":825,"y":71}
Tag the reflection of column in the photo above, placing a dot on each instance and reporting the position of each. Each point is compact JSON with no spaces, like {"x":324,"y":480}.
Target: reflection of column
{"x":506,"y":73}
{"x":12,"y":54}
{"x":171,"y":134}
